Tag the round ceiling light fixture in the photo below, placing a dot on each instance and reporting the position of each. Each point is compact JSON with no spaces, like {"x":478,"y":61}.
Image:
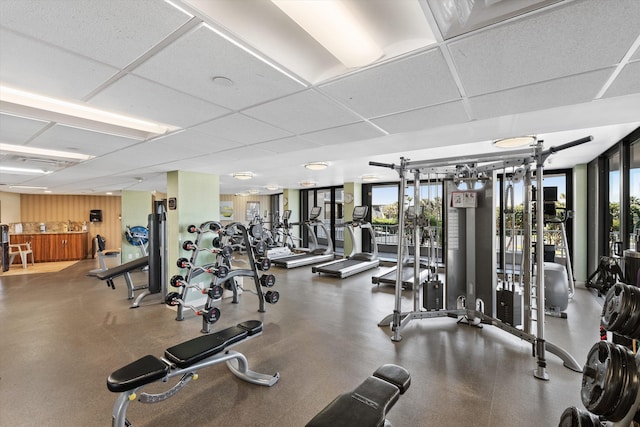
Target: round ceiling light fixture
{"x":369,"y":178}
{"x":308,"y":183}
{"x":243,"y":175}
{"x":515,"y":142}
{"x":272,"y":187}
{"x":316,"y":166}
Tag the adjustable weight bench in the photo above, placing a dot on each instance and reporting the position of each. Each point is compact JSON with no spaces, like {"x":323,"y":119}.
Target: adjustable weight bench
{"x":368,"y":404}
{"x":184,"y":360}
{"x":125,"y":270}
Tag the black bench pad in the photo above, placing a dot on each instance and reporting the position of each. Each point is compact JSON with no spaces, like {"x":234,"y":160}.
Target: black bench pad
{"x":366,"y":406}
{"x":369,"y":403}
{"x":143,"y":371}
{"x":123,"y":268}
{"x":394,"y":374}
{"x":197,"y":349}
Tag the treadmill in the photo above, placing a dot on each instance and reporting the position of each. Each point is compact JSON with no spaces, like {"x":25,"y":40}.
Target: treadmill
{"x":357,"y":262}
{"x":314,"y":254}
{"x":388,"y":277}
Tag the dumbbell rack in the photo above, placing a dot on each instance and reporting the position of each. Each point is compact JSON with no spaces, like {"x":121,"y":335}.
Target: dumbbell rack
{"x":257,"y":261}
{"x":611,"y":376}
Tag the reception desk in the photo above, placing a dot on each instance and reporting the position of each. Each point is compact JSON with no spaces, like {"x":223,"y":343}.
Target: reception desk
{"x":54,"y":246}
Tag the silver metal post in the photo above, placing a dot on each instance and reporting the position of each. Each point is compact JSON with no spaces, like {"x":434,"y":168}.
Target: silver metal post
{"x":416,"y":241}
{"x":541,"y":371}
{"x":397,"y":311}
{"x":526,"y":250}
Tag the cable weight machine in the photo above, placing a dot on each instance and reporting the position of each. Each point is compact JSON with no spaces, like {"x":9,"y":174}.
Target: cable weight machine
{"x":470,"y":288}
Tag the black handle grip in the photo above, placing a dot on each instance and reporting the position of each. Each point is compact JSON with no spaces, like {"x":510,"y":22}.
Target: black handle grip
{"x":383,"y":165}
{"x":570,"y":144}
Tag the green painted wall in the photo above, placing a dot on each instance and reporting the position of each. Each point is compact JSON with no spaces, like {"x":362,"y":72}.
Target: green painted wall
{"x":291,"y":199}
{"x":136,"y":207}
{"x":197,"y":200}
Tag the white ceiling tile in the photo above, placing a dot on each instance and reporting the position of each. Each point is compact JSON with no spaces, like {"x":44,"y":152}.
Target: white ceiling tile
{"x":397,"y":86}
{"x":115,"y":32}
{"x":424,"y":118}
{"x":343,"y":134}
{"x":185,"y":144}
{"x":569,"y":39}
{"x":23,"y":61}
{"x":627,"y":82}
{"x":202,"y":55}
{"x":142,"y":98}
{"x":287,"y":145}
{"x":66,"y":138}
{"x":303,"y":112}
{"x":18,"y":130}
{"x":242,"y":129}
{"x":551,"y":94}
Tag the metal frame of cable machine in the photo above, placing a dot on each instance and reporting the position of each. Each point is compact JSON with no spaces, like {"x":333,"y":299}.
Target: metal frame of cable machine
{"x":467,"y":306}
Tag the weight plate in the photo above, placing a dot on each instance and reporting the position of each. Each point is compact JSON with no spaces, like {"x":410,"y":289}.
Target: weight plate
{"x":596,"y":393}
{"x":628,"y":387}
{"x":182,"y":263}
{"x":187,"y":245}
{"x":574,"y":417}
{"x":614,"y":308}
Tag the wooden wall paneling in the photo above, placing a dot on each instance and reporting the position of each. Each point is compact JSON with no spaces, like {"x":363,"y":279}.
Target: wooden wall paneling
{"x":47,"y":208}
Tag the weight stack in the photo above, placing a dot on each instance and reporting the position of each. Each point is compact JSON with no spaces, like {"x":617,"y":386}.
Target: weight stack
{"x":432,"y":295}
{"x":509,"y":307}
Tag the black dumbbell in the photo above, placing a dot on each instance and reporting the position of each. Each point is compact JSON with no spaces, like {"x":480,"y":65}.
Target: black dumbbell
{"x":272,"y":297}
{"x":260,"y":248}
{"x":268,"y":280}
{"x":211,"y":315}
{"x":189,"y":246}
{"x":172,"y":299}
{"x":226,"y":251}
{"x":215,"y":292}
{"x":176,"y":280}
{"x":255,"y":231}
{"x":222,"y":271}
{"x":263,"y":264}
{"x":183,"y":263}
{"x":193,"y":229}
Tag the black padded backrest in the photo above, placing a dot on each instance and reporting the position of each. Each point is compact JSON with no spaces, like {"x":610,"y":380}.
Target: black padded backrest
{"x":197,"y":349}
{"x":101,"y":243}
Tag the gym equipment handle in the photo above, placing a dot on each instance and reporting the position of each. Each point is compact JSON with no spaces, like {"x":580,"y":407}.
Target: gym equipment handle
{"x":383,"y":165}
{"x":580,"y":141}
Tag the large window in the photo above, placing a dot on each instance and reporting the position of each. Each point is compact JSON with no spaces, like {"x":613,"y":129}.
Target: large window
{"x":330,"y":200}
{"x":613,"y":215}
{"x":384,"y":209}
{"x":634,"y":195}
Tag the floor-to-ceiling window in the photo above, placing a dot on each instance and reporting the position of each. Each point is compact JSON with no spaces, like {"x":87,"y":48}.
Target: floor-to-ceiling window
{"x":613,"y":214}
{"x":330,"y":200}
{"x":385,"y":212}
{"x":634,"y":195}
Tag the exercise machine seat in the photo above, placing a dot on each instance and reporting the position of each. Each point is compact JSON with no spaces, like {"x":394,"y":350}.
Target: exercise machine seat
{"x":368,"y":404}
{"x":143,"y":371}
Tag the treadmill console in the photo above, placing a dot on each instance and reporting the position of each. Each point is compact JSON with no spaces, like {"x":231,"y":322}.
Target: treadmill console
{"x":315,"y":213}
{"x":359,"y":213}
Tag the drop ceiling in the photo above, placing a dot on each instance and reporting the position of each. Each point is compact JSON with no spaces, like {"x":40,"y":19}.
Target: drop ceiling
{"x":557,"y":69}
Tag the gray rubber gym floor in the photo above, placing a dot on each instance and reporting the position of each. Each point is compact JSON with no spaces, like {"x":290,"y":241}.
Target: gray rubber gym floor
{"x":64,"y":333}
